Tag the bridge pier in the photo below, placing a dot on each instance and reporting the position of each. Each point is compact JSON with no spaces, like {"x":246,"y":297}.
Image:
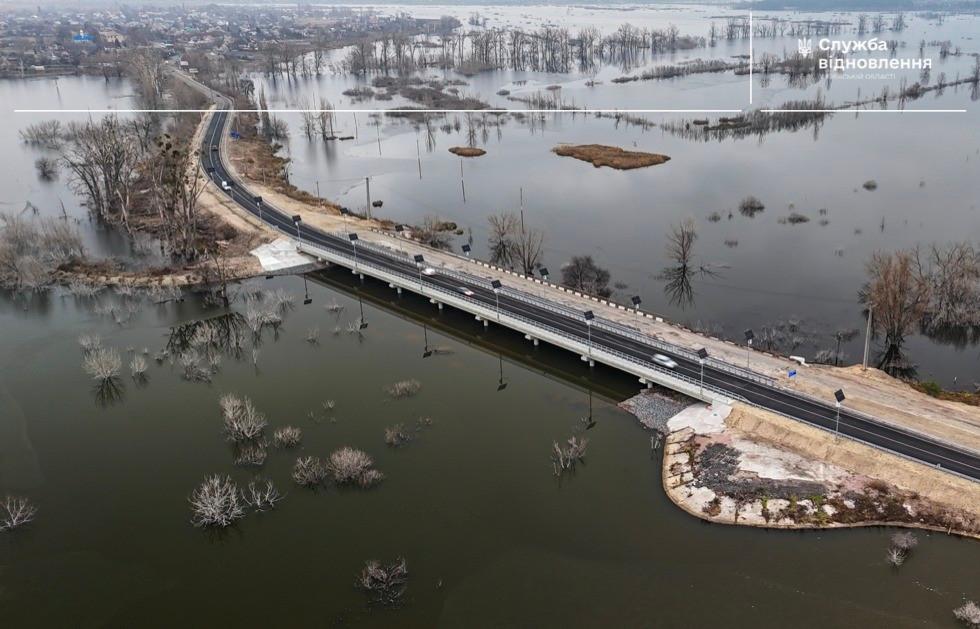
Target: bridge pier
{"x":532,"y":339}
{"x":588,"y":360}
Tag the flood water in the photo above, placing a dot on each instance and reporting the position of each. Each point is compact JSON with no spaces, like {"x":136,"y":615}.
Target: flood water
{"x":767,"y":272}
{"x":491,"y":537}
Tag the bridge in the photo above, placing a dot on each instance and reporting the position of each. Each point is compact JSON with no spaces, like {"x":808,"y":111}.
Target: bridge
{"x":594,"y":338}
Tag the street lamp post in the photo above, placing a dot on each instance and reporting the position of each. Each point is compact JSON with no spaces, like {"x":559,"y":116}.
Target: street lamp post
{"x":297,"y":219}
{"x":496,"y":286}
{"x":544,"y":273}
{"x":589,"y":316}
{"x":636,"y":306}
{"x":702,"y":356}
{"x":419,"y":260}
{"x":749,"y":335}
{"x":258,"y":204}
{"x":839,"y":397}
{"x":344,"y":212}
{"x":466,"y":250}
{"x":353,"y":241}
{"x":867,"y":338}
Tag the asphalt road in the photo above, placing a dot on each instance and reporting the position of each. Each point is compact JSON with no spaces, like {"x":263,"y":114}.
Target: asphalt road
{"x":762,"y":394}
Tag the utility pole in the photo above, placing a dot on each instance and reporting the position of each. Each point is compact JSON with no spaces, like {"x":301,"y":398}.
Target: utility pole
{"x":522,"y":209}
{"x":867,"y":338}
{"x":367,"y":189}
{"x":462,"y":184}
{"x":418,"y":151}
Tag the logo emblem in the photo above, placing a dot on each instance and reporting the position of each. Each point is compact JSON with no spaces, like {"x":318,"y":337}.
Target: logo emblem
{"x":805,"y":47}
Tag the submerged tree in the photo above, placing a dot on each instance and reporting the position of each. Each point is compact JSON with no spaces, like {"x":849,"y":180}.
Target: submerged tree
{"x":513,"y":245}
{"x":177,"y":184}
{"x":384,"y":584}
{"x":678,"y":278}
{"x":897,"y":299}
{"x":584,"y":275}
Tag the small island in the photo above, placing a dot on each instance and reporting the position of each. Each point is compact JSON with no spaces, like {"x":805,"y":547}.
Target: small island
{"x":467,"y":151}
{"x":612,"y":156}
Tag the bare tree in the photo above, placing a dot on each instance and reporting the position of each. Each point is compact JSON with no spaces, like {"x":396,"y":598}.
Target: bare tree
{"x":177,"y":184}
{"x":584,"y":275}
{"x":384,"y":585}
{"x":103,"y":158}
{"x":15,"y":512}
{"x":351,"y":466}
{"x":969,"y":614}
{"x":102,"y":364}
{"x":242,"y":421}
{"x":217,"y":502}
{"x":898,"y":299}
{"x":309,"y":471}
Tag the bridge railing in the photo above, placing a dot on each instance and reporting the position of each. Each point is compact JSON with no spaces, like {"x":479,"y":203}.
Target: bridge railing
{"x":600,"y":322}
{"x":431,"y":289}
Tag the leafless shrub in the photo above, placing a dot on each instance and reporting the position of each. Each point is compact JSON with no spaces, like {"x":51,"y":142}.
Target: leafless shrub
{"x":242,"y":422}
{"x":750,"y":206}
{"x":287,"y":437}
{"x":566,"y":458}
{"x":731,"y":243}
{"x":137,"y":367}
{"x":90,"y":342}
{"x":404,"y":388}
{"x":47,"y":168}
{"x":895,"y":556}
{"x":217,"y":502}
{"x":102,"y":364}
{"x":262,"y":496}
{"x":15,"y":512}
{"x":968,"y":613}
{"x":46,"y":134}
{"x":870,"y":184}
{"x":309,"y":471}
{"x":313,"y":336}
{"x":397,"y":435}
{"x":250,"y":454}
{"x":904,"y":541}
{"x":384,"y":585}
{"x":31,"y":249}
{"x":795,"y":218}
{"x":714,"y":217}
{"x":349,"y":466}
{"x":196,"y":367}
{"x":82,"y":289}
{"x":334,"y":308}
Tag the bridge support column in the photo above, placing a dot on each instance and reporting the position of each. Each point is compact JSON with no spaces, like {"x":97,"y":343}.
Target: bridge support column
{"x":440,"y":305}
{"x":528,"y":337}
{"x":588,"y":360}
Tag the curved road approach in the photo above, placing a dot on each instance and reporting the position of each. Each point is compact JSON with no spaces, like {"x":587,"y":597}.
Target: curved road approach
{"x":601,"y":335}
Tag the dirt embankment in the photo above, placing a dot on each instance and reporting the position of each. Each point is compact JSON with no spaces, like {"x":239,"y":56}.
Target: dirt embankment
{"x":751,"y":467}
{"x":614,"y":157}
{"x":467,"y":151}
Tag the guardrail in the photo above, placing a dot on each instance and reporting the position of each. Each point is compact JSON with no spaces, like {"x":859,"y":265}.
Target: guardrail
{"x":434,"y":290}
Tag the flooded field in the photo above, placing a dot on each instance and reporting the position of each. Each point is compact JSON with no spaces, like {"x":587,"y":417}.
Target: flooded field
{"x":471,"y":502}
{"x":767,"y":272}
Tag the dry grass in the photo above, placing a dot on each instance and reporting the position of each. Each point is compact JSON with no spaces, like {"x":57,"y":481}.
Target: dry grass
{"x":467,"y":151}
{"x":601,"y":155}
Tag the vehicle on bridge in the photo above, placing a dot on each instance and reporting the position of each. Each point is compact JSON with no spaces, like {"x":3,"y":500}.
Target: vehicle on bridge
{"x":664,"y":361}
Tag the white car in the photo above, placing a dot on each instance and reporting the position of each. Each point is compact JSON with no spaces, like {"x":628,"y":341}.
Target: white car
{"x":664,"y":361}
{"x":428,"y":271}
{"x":465,"y":291}
{"x":225,"y":185}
